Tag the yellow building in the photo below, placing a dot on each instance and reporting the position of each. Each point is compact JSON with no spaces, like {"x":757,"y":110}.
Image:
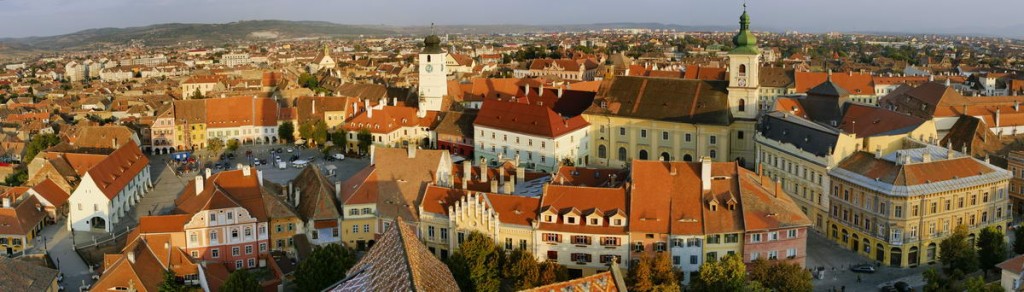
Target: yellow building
{"x":190,"y":124}
{"x":284,"y":223}
{"x":448,"y":215}
{"x":798,"y":149}
{"x":1015,"y":164}
{"x":896,"y":208}
{"x":359,"y":206}
{"x":20,"y":220}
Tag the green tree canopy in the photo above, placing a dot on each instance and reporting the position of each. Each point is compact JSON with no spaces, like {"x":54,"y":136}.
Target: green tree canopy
{"x":653,"y":273}
{"x":551,"y":272}
{"x":170,"y":283}
{"x":306,"y":130}
{"x":519,"y":270}
{"x":214,"y":144}
{"x":340,"y":139}
{"x":477,"y":258}
{"x":727,"y":274}
{"x":232,"y":145}
{"x":319,"y":133}
{"x":1018,"y":242}
{"x":286,"y":132}
{"x":991,"y":248}
{"x":365,"y":139}
{"x":780,"y":276}
{"x":325,"y":266}
{"x":957,"y":254}
{"x":37,"y":144}
{"x":241,"y":280}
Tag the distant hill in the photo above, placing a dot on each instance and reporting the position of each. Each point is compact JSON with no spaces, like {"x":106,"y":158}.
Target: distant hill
{"x":209,"y":34}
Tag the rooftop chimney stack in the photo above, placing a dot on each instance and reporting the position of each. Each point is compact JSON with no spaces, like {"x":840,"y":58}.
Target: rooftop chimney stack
{"x":705,"y":173}
{"x":467,"y":170}
{"x":926,"y":157}
{"x":131,"y":256}
{"x":483,"y":169}
{"x":411,"y":149}
{"x":369,"y":110}
{"x":208,"y":172}
{"x":520,"y":174}
{"x":199,"y":184}
{"x":560,"y":89}
{"x":373,"y":151}
{"x":7,"y":202}
{"x":337,"y":189}
{"x":494,"y":186}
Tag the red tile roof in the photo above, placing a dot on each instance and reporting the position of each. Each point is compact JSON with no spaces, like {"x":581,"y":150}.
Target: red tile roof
{"x":526,"y":119}
{"x":563,"y":199}
{"x":855,"y":83}
{"x":118,"y":169}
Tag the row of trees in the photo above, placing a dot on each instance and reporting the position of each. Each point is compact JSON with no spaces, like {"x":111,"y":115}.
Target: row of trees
{"x":318,"y":134}
{"x":656,"y":273}
{"x":480,"y":265}
{"x":960,"y":258}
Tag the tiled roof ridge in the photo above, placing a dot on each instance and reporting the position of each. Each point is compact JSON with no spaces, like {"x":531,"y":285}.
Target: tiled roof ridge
{"x":405,"y":253}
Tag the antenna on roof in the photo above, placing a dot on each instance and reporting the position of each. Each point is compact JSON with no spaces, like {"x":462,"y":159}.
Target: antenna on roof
{"x":431,"y":28}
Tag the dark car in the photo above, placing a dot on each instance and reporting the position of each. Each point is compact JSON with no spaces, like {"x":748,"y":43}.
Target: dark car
{"x":863,"y":269}
{"x":902,"y":286}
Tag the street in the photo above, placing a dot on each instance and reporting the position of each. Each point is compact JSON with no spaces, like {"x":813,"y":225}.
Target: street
{"x":837,"y":262}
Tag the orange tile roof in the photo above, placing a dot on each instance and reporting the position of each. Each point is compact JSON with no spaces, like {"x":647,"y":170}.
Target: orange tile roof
{"x":391,"y":118}
{"x":223,"y":190}
{"x":163,"y":224}
{"x":526,"y":118}
{"x":118,"y":169}
{"x":247,"y":111}
{"x":763,"y":208}
{"x":855,"y":83}
{"x":865,"y":164}
{"x":22,"y":218}
{"x":50,"y":191}
{"x":562,"y":199}
{"x":867,"y":121}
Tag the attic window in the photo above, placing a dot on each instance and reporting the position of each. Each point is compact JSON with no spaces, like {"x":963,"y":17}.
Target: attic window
{"x":714,"y":207}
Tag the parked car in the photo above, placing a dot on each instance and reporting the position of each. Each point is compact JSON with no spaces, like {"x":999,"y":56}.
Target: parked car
{"x":865,"y":268}
{"x":338,"y":156}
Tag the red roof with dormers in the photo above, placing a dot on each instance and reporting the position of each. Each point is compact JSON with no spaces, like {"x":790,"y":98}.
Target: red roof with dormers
{"x":528,"y":119}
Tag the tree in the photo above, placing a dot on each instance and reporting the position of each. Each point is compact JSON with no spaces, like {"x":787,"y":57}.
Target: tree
{"x":780,"y":276}
{"x":991,"y":248}
{"x":17,"y":178}
{"x":232,"y":145}
{"x":365,"y":139}
{"x":957,"y":255}
{"x":477,"y":259}
{"x":519,"y":270}
{"x":214,"y":144}
{"x":308,"y":81}
{"x":170,"y":283}
{"x":306,"y":130}
{"x":197,"y":94}
{"x":727,"y":274}
{"x":1018,"y":242}
{"x":640,"y":277}
{"x":319,"y":132}
{"x":325,"y":266}
{"x":340,"y":139}
{"x":286,"y":132}
{"x":241,"y":280}
{"x":977,"y":284}
{"x":551,"y":272}
{"x":38,"y":144}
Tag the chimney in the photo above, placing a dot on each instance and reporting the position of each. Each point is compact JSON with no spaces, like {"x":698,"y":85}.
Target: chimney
{"x":297,"y":196}
{"x":208,"y":172}
{"x":467,"y":170}
{"x":246,"y":171}
{"x":394,"y":101}
{"x":314,"y":105}
{"x":199,"y":184}
{"x":611,"y":179}
{"x":527,"y":90}
{"x":291,"y":188}
{"x":411,"y":149}
{"x":494,"y":186}
{"x":520,"y":174}
{"x":926,"y":156}
{"x":131,"y":256}
{"x":705,"y":173}
{"x":7,"y":202}
{"x":337,"y":189}
{"x":997,"y":117}
{"x":372,"y":152}
{"x":672,"y":170}
{"x":560,"y":92}
{"x":878,"y":152}
{"x":259,"y":176}
{"x":113,"y":143}
{"x":778,"y":188}
{"x":483,"y":169}
{"x":511,"y":184}
{"x":369,"y":110}
{"x":1016,"y":104}
{"x":501,"y":174}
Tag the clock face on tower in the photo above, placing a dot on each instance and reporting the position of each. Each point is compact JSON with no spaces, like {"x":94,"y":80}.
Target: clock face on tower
{"x":429,"y":68}
{"x":741,"y":82}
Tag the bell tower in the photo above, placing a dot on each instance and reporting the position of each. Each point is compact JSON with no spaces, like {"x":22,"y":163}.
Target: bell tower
{"x":744,"y":86}
{"x":433,"y":79}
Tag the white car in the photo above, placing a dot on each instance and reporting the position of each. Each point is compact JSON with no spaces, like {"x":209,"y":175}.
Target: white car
{"x":290,"y":150}
{"x":339,"y":156}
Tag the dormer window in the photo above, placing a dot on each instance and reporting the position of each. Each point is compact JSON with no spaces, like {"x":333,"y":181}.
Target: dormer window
{"x":549,"y":218}
{"x":594,"y":221}
{"x":570,"y":219}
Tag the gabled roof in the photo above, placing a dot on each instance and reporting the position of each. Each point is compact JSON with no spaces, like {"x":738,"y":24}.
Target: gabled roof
{"x":854,"y":83}
{"x":118,"y":169}
{"x":398,"y":262}
{"x":663,"y":202}
{"x":664,"y":99}
{"x":317,"y":199}
{"x":563,"y":199}
{"x":223,"y":190}
{"x":766,"y":207}
{"x":18,"y":275}
{"x":50,"y":191}
{"x":526,"y":119}
{"x":22,"y":217}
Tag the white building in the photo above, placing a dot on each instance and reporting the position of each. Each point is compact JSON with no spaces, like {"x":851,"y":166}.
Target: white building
{"x":109,"y":189}
{"x":535,"y":134}
{"x":433,"y":77}
{"x":235,"y":59}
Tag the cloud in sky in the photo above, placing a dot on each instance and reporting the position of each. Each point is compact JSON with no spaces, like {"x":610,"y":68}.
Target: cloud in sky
{"x":19,"y":18}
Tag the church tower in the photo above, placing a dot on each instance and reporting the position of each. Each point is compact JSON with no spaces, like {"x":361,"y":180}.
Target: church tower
{"x":744,"y":86}
{"x":433,"y":79}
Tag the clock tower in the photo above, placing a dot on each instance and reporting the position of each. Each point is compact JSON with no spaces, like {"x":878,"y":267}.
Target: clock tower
{"x":744,"y":86}
{"x":433,"y":79}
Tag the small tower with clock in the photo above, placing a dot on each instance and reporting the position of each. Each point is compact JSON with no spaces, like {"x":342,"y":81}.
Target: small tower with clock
{"x":433,"y":79}
{"x":744,"y":87}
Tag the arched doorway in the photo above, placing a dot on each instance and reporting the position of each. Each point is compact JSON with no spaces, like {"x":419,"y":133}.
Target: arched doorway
{"x":622,"y":154}
{"x":867,"y":246}
{"x":879,"y":253}
{"x":643,"y":155}
{"x":98,"y":223}
{"x":602,"y":152}
{"x":896,"y":257}
{"x":665,"y":156}
{"x":855,"y":243}
{"x":835,"y":232}
{"x":846,"y":237}
{"x":912,"y":256}
{"x":930,"y":253}
{"x":687,"y":157}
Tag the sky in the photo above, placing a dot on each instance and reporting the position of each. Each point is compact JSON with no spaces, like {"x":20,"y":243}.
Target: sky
{"x":22,"y":18}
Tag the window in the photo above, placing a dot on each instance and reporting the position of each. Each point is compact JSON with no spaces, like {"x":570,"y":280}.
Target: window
{"x":581,"y":239}
{"x":742,"y":106}
{"x":213,"y":235}
{"x":316,"y":234}
{"x":213,"y":217}
{"x":898,"y":210}
{"x":248,"y":231}
{"x":248,"y":249}
{"x":215,"y":253}
{"x":430,"y":231}
{"x":444,"y":233}
{"x":335,"y":232}
{"x":793,"y":233}
{"x":508,"y":243}
{"x":713,"y":154}
{"x":660,"y":246}
{"x":732,"y":238}
{"x":773,"y":236}
{"x":756,"y":237}
{"x":610,"y":241}
{"x":278,"y":228}
{"x":552,"y":237}
{"x":570,"y":220}
{"x":602,"y":152}
{"x":552,"y":255}
{"x":194,"y":237}
{"x":230,"y":215}
{"x":712,"y":140}
{"x":714,"y":239}
{"x":367,"y":211}
{"x":252,"y":263}
{"x":693,"y":260}
{"x":234,"y":233}
{"x":622,"y":154}
{"x":643,"y":133}
{"x":739,"y":135}
{"x":234,"y":251}
{"x":195,"y":254}
{"x":607,"y":258}
{"x":291,"y":226}
{"x":594,"y":221}
{"x":355,"y":228}
{"x":687,"y":137}
{"x":664,"y":135}
{"x":773,"y":255}
{"x":263,"y":247}
{"x":754,"y":256}
{"x":622,"y":131}
{"x":638,"y":246}
{"x":693,"y":242}
{"x":366,"y":228}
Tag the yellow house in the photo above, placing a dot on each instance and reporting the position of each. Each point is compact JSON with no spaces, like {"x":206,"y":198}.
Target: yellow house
{"x":284,"y":223}
{"x":896,"y":208}
{"x":359,"y":207}
{"x":189,"y":124}
{"x":21,"y":219}
{"x":448,"y":215}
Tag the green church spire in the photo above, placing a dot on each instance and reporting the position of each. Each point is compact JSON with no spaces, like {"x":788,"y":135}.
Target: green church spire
{"x":745,"y":42}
